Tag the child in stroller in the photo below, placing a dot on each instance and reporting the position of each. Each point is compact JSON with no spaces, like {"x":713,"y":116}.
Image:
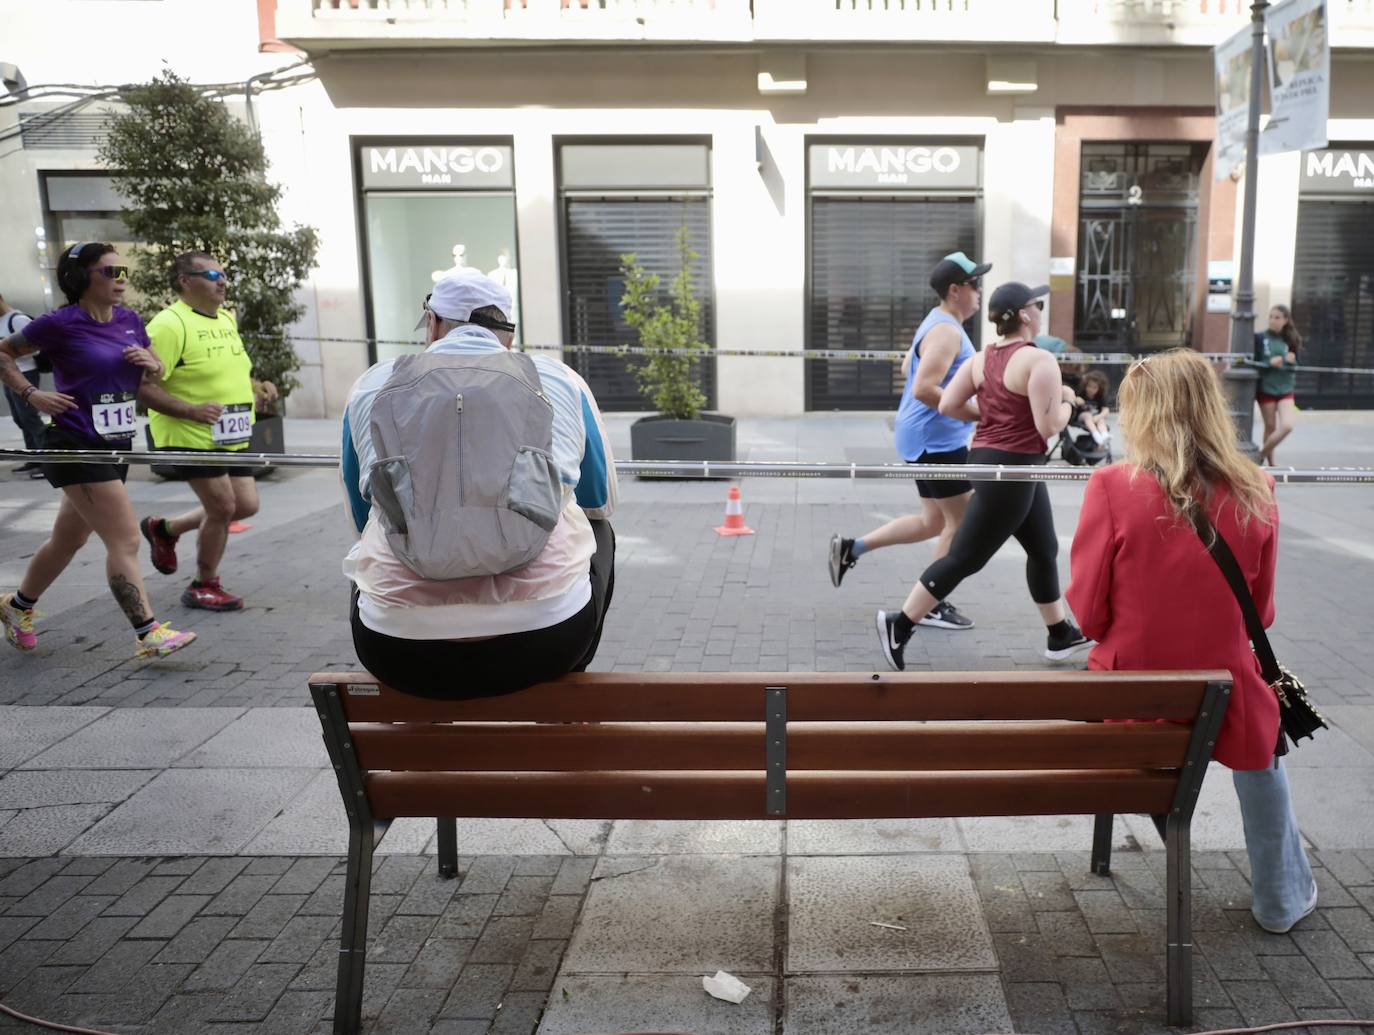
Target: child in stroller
{"x":1087,"y":439}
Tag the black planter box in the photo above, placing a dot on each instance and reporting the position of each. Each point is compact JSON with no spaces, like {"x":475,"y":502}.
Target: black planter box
{"x":268,"y":437}
{"x":710,"y":437}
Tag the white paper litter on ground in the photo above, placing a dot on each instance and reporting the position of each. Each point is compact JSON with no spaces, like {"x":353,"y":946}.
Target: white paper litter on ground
{"x":890,"y":927}
{"x":726,"y":986}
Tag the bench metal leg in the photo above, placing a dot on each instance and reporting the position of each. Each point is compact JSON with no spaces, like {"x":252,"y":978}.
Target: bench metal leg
{"x":348,"y":1001}
{"x":1102,"y":845}
{"x":1180,"y":921}
{"x":448,"y":847}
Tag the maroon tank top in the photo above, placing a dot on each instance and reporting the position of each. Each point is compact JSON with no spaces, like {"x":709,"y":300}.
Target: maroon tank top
{"x":1005,"y":420}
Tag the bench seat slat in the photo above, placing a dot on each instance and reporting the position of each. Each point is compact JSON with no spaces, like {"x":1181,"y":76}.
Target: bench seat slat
{"x":475,"y":747}
{"x":740,"y":795}
{"x":812,"y":697}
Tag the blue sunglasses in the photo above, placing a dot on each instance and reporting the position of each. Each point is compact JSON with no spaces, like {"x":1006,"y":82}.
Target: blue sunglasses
{"x":213,"y":276}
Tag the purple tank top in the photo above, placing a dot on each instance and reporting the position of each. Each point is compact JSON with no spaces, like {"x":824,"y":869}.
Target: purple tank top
{"x":1005,"y":421}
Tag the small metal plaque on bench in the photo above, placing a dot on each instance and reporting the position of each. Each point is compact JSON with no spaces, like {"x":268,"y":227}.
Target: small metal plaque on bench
{"x":364,"y":690}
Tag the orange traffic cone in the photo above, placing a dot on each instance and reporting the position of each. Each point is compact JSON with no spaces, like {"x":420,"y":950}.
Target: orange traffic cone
{"x":734,"y":516}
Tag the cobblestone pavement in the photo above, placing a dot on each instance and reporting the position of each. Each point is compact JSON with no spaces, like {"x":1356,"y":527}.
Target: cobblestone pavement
{"x":227,"y":945}
{"x":170,"y":840}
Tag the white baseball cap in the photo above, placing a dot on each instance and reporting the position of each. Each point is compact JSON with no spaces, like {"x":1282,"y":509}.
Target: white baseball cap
{"x":458,"y":293}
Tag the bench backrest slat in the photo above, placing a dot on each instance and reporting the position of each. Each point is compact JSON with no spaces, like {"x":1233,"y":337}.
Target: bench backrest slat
{"x":812,"y":697}
{"x":820,"y":795}
{"x":475,"y":747}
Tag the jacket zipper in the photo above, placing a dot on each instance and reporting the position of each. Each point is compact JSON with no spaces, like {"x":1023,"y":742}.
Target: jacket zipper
{"x":462,"y":467}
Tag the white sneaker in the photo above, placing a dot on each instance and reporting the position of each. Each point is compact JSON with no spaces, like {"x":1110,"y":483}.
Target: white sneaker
{"x":1307,"y":911}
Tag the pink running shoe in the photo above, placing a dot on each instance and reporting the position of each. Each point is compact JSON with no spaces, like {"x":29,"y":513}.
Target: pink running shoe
{"x":163,"y":640}
{"x":18,"y":624}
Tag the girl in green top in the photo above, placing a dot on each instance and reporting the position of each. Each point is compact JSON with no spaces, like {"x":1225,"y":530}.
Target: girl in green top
{"x":1277,"y":351}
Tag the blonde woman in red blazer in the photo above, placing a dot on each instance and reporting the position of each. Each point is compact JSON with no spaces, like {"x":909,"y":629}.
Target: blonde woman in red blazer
{"x":1146,"y":589}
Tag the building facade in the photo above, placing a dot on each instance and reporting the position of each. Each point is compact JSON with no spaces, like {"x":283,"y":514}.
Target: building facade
{"x":817,"y":157}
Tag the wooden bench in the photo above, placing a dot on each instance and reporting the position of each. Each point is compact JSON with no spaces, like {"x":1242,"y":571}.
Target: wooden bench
{"x":763,"y":746}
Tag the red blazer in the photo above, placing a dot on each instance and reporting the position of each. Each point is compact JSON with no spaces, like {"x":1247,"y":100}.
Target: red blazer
{"x":1146,"y":589}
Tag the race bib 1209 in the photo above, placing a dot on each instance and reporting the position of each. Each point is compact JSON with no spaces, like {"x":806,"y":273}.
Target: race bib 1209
{"x":114,"y":415}
{"x":235,"y":425}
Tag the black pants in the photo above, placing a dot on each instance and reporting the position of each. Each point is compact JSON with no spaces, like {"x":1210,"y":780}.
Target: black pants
{"x":501,"y":664}
{"x":29,"y":421}
{"x":997,"y":512}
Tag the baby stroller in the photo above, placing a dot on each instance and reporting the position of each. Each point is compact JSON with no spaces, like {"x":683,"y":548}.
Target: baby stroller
{"x":1075,"y":445}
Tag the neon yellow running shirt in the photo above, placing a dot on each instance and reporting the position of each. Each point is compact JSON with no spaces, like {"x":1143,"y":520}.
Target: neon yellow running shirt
{"x":206,"y":362}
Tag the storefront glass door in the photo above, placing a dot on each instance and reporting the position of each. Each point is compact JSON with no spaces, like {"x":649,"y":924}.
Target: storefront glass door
{"x":1137,"y":242}
{"x":413,"y":238}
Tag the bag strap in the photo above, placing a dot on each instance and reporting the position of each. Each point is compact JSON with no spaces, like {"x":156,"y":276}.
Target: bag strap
{"x":1230,"y":568}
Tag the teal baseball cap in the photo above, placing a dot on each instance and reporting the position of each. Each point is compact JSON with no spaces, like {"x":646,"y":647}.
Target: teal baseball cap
{"x":955,"y":268}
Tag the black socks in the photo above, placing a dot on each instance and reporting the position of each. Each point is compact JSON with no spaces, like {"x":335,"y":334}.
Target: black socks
{"x":903,"y":626}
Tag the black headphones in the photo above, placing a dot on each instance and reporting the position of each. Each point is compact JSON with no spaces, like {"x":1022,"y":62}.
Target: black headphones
{"x":72,"y":277}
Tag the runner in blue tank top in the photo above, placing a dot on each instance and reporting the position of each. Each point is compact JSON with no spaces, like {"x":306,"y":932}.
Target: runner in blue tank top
{"x":924,"y":435}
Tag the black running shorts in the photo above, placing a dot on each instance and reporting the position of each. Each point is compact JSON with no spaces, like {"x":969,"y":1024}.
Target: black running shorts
{"x":942,"y":488}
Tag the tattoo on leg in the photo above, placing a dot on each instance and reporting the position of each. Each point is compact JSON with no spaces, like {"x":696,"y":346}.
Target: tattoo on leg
{"x":130,"y":601}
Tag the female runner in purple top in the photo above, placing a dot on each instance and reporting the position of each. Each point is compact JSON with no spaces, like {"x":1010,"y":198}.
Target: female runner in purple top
{"x":100,"y":357}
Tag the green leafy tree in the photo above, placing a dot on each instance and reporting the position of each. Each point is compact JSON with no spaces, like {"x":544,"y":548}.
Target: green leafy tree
{"x":670,"y":379}
{"x":194,"y":179}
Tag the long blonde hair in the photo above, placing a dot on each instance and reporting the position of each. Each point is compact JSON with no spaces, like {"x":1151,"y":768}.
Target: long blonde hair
{"x":1177,"y":428}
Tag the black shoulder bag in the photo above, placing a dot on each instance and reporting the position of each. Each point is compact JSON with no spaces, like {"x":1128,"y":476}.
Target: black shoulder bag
{"x":1297,"y":716}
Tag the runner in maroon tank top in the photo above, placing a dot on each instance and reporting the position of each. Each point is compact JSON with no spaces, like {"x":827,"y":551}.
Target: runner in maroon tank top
{"x":1021,"y":402}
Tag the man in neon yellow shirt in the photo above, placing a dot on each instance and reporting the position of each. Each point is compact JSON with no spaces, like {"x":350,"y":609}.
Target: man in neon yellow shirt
{"x":205,"y":402}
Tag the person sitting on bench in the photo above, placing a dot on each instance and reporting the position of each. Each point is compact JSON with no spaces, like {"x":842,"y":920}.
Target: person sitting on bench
{"x":480,"y":482}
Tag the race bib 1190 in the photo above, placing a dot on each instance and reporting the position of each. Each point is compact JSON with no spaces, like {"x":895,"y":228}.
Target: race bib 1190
{"x":114,"y":415}
{"x":235,"y":425}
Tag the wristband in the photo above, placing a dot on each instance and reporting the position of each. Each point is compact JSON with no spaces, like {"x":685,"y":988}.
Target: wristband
{"x":24,"y":395}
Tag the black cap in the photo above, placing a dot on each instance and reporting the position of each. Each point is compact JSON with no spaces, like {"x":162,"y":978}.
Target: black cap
{"x":1011,"y":296}
{"x":955,"y":268}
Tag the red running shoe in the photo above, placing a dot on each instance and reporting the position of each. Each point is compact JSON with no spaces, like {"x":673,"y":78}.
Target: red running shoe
{"x":210,"y":596}
{"x":164,"y":545}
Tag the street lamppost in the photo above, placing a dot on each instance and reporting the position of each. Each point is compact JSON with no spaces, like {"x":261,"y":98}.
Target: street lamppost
{"x":1240,"y":381}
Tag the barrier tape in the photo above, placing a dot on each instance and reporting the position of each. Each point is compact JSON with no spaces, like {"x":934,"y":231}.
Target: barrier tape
{"x":687,"y":468}
{"x":885,"y":355}
{"x":869,"y":355}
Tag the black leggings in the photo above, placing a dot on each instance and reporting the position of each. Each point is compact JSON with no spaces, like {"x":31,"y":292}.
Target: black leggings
{"x":998,"y":511}
{"x":456,"y":669}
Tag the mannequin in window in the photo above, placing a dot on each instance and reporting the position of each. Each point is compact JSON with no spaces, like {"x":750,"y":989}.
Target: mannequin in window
{"x":506,"y":275}
{"x":460,"y":261}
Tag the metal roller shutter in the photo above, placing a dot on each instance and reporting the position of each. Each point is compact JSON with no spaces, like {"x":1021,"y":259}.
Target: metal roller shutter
{"x":599,"y":232}
{"x":871,"y":259}
{"x":1333,"y":301}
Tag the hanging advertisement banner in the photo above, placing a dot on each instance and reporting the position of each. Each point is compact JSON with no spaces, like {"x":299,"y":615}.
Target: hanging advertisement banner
{"x":1299,"y":77}
{"x":1232,"y":63}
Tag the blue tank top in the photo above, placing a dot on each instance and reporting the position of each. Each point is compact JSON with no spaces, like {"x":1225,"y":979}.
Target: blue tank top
{"x":919,"y":429}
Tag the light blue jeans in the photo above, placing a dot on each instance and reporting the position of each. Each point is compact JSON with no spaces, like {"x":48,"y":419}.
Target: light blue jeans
{"x":1281,"y":883}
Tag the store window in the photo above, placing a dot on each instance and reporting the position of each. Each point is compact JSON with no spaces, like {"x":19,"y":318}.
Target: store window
{"x":429,"y":207}
{"x":621,"y":199}
{"x":882,"y":214}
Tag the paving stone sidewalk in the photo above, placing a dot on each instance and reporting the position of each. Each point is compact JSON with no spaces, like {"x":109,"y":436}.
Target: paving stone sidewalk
{"x":170,"y":838}
{"x":230,"y":945}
